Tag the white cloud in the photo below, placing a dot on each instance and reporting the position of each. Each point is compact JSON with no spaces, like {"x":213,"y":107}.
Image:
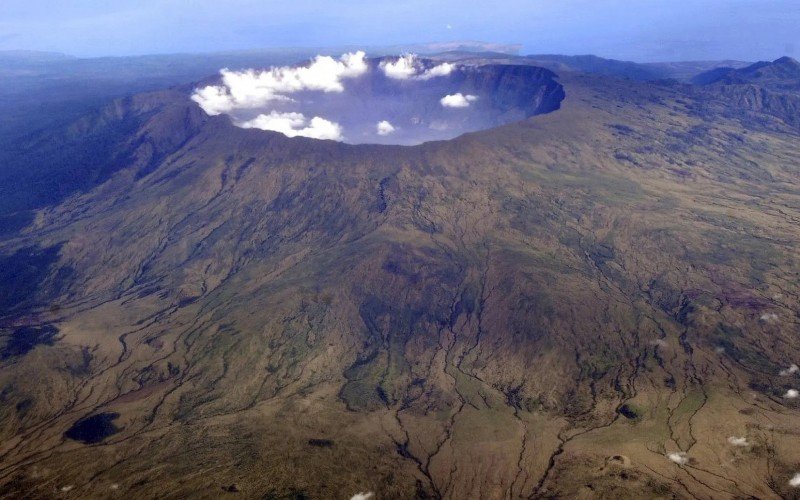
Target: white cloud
{"x":384,"y":128}
{"x":410,"y":67}
{"x":362,"y":496}
{"x":679,"y":457}
{"x":443,"y":69}
{"x":791,"y":394}
{"x":795,"y":480}
{"x":252,"y":89}
{"x":213,"y":99}
{"x":738,"y":441}
{"x":458,"y":100}
{"x":793,"y":368}
{"x":769,"y":317}
{"x":296,"y":124}
{"x":401,"y":69}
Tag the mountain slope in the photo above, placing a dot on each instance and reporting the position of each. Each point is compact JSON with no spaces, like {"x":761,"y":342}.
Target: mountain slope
{"x":548,"y":308}
{"x":51,"y":166}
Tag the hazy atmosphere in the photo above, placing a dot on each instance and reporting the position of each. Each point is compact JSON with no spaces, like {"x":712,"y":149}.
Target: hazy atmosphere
{"x":645,"y":30}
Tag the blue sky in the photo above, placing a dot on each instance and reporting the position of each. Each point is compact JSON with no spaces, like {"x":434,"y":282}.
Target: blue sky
{"x":640,"y":30}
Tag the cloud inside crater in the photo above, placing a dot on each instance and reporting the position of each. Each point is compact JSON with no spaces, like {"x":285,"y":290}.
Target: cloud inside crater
{"x":458,"y":100}
{"x":295,"y":124}
{"x":410,"y":67}
{"x":327,"y":98}
{"x":384,"y":128}
{"x":251,"y":89}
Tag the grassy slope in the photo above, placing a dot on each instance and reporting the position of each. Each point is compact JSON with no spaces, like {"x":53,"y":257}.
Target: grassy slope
{"x":460,"y":319}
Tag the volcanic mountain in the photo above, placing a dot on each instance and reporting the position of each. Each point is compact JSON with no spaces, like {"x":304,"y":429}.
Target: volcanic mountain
{"x":597,"y":301}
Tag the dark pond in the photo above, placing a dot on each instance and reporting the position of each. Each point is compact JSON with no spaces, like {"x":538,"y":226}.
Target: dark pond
{"x":93,"y":429}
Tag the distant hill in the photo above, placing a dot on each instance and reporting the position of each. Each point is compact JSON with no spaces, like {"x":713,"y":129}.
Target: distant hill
{"x":456,"y":46}
{"x":681,"y":71}
{"x":780,"y":74}
{"x":601,"y":66}
{"x":32,"y":56}
{"x":684,"y":71}
{"x":764,"y":87}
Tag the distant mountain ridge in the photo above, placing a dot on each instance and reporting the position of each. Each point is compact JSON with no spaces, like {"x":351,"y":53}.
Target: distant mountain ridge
{"x":651,"y":71}
{"x":766,"y":87}
{"x":781,"y":74}
{"x":34,"y":56}
{"x":602,"y":66}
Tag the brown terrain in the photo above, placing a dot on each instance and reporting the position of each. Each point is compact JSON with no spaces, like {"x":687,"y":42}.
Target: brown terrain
{"x":545,"y":309}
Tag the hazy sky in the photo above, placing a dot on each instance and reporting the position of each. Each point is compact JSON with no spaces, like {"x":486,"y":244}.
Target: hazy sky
{"x":642,"y":30}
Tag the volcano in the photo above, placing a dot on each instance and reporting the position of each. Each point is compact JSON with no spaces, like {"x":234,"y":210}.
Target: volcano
{"x":592,"y":293}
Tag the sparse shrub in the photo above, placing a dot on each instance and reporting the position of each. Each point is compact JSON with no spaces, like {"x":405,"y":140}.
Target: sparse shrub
{"x":630,"y":411}
{"x":320,"y":443}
